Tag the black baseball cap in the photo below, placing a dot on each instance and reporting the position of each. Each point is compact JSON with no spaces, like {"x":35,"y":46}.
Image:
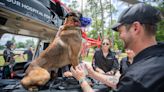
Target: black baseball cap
{"x":9,"y":43}
{"x":143,"y":13}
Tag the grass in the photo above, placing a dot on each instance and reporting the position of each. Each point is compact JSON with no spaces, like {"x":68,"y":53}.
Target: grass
{"x":88,"y":58}
{"x":85,"y":58}
{"x":18,"y":59}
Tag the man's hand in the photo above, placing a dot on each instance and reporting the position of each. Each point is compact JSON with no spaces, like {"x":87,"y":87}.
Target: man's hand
{"x":110,"y":73}
{"x":130,"y":55}
{"x":90,"y":70}
{"x":78,"y":72}
{"x":99,"y":70}
{"x":68,"y":74}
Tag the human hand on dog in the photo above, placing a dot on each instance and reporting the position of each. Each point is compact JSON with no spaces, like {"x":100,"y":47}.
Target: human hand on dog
{"x":90,"y":70}
{"x":82,"y":70}
{"x":79,"y":72}
{"x":68,"y":74}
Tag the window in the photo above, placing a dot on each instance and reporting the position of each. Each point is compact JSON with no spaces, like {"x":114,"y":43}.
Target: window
{"x":22,"y":43}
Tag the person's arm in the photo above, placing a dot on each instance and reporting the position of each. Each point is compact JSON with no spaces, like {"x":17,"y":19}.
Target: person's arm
{"x":15,"y":56}
{"x":93,"y":61}
{"x":130,"y":55}
{"x":115,"y":67}
{"x":25,"y":52}
{"x":96,"y":68}
{"x":80,"y":75}
{"x":110,"y":81}
{"x":67,"y":74}
{"x":85,"y":86}
{"x":121,"y":66}
{"x":66,"y":71}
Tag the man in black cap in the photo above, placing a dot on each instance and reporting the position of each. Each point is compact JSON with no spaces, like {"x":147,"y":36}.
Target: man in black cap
{"x":9,"y":58}
{"x":137,"y":27}
{"x":8,"y":54}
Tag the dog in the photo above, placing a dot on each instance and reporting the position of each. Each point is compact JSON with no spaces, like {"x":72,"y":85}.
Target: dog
{"x":64,"y":50}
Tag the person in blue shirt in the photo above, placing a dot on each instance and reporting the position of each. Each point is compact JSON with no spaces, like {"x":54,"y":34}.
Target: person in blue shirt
{"x":29,"y":53}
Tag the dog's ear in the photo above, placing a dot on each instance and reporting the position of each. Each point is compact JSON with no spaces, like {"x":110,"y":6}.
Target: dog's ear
{"x":74,"y":18}
{"x":75,"y":14}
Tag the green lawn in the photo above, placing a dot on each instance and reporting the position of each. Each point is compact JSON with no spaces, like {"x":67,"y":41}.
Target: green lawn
{"x":90,"y":56}
{"x":18,"y":59}
{"x":86,"y":58}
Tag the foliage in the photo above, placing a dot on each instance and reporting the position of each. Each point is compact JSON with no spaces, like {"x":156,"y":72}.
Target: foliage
{"x":100,"y":11}
{"x":73,"y":5}
{"x":13,"y":39}
{"x":26,"y":44}
{"x":2,"y":47}
{"x":160,"y":28}
{"x":118,"y":42}
{"x":20,"y":45}
{"x":29,"y":43}
{"x":18,"y":59}
{"x":160,"y":31}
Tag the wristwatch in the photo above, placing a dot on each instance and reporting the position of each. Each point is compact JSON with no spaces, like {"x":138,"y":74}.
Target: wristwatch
{"x":81,"y":80}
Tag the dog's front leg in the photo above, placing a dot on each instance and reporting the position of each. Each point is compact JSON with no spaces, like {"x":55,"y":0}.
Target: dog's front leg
{"x":73,"y":54}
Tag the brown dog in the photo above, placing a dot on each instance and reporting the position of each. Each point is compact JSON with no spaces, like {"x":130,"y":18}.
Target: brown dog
{"x":62,"y":51}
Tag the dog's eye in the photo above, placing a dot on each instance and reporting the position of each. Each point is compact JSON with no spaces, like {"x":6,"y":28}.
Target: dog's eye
{"x":76,"y":19}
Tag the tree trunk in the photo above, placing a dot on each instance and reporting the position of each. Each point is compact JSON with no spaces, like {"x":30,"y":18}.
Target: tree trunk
{"x":102,"y":19}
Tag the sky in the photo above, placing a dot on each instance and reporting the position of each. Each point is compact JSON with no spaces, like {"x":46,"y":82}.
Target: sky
{"x":18,"y":38}
{"x":117,"y":4}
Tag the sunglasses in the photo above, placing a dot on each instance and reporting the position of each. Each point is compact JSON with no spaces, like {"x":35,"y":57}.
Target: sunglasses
{"x":105,"y":44}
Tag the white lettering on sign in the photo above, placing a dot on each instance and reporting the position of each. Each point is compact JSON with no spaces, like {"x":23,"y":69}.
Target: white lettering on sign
{"x":32,"y":9}
{"x":47,"y":16}
{"x":27,"y":7}
{"x":14,"y":2}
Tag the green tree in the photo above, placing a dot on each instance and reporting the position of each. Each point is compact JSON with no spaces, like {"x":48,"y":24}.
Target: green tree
{"x":73,"y":5}
{"x":159,"y":4}
{"x":2,"y":47}
{"x":160,"y":31}
{"x":118,"y":41}
{"x":29,"y":42}
{"x":13,"y":39}
{"x":20,"y":45}
{"x":99,"y":11}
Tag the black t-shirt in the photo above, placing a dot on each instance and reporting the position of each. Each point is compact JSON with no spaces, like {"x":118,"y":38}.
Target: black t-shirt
{"x":8,"y":55}
{"x":29,"y":54}
{"x":124,"y":64}
{"x":146,"y":74}
{"x":105,"y":63}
